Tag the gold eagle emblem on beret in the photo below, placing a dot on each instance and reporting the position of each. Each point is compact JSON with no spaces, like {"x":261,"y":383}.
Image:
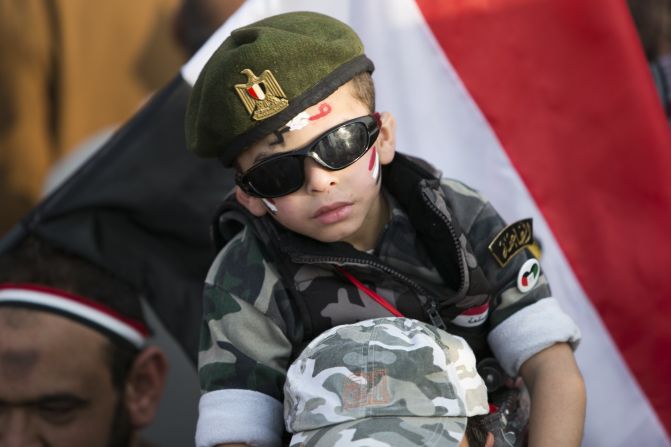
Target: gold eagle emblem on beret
{"x":262,"y":95}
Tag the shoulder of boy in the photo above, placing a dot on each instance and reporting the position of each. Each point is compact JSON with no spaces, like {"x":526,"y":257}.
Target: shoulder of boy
{"x":503,"y":242}
{"x":242,"y":269}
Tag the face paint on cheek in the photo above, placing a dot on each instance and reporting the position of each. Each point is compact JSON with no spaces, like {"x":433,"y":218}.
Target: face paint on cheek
{"x":270,"y":204}
{"x":374,"y":165}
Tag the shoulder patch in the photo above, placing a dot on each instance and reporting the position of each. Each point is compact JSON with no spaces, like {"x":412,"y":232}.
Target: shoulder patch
{"x":511,"y":240}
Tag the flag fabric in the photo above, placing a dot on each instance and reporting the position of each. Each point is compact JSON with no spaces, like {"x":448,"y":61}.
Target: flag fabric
{"x":547,"y":108}
{"x":140,"y":207}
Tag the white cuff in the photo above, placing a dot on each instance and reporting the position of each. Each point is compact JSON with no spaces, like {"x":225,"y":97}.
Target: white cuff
{"x":529,"y":331}
{"x":242,"y":416}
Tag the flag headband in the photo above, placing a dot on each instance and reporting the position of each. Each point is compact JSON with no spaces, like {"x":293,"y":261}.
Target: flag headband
{"x":85,"y":310}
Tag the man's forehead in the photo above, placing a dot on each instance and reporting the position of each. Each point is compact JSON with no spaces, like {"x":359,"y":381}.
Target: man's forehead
{"x":30,"y":376}
{"x":36,"y":327}
{"x":51,"y":354}
{"x":17,"y":317}
{"x":23,"y":317}
{"x":16,"y":364}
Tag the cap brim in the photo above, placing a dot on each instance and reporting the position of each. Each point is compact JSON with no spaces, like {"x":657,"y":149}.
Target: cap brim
{"x":386,"y":431}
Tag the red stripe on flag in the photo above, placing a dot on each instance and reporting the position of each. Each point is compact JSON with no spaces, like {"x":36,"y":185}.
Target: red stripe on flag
{"x":565,"y":87}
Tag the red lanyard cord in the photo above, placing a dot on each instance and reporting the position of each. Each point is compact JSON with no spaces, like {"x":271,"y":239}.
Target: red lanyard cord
{"x":381,"y":301}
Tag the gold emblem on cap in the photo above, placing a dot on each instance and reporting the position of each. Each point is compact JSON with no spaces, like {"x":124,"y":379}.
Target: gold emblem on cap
{"x":262,"y":95}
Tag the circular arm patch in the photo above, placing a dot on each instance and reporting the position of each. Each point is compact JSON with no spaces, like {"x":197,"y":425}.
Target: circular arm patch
{"x":528,"y":275}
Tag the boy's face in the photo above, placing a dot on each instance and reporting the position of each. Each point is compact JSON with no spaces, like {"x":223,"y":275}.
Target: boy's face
{"x":343,"y":205}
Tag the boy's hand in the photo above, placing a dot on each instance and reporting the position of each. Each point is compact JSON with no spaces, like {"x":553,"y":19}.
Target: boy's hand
{"x":557,"y":393}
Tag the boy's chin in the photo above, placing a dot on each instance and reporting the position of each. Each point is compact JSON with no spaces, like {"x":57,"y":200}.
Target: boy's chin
{"x":334,"y":236}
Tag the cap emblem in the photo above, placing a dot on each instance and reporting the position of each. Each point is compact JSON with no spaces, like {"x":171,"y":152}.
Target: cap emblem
{"x":262,"y":95}
{"x":369,"y":388}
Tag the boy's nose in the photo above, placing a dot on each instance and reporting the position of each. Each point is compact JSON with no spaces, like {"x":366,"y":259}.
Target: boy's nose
{"x":318,"y":178}
{"x":16,"y":429}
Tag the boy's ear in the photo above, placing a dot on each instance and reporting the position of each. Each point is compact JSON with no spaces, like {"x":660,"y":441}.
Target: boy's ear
{"x":253,"y":204}
{"x":386,"y":141}
{"x":144,"y":386}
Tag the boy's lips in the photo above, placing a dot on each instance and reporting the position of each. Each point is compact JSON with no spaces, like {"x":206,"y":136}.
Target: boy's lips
{"x":333,"y":213}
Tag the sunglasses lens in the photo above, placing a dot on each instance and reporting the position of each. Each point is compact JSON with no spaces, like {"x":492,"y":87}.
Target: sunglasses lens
{"x":343,"y":146}
{"x":277,"y":177}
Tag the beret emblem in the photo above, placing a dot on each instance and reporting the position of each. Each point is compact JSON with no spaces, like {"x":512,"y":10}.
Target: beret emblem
{"x":262,"y":95}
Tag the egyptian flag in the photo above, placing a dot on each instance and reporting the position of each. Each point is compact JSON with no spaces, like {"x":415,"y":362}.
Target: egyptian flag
{"x":548,"y":108}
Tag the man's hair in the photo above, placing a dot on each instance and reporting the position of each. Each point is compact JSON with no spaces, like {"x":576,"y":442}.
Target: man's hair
{"x":35,"y":261}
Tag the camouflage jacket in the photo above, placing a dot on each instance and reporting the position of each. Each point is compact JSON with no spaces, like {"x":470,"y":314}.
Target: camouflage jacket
{"x":270,"y":291}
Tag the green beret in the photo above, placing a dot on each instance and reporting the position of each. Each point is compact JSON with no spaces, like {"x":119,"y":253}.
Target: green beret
{"x":266,"y":73}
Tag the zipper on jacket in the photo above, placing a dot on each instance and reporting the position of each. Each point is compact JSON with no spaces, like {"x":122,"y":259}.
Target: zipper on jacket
{"x":453,"y":233}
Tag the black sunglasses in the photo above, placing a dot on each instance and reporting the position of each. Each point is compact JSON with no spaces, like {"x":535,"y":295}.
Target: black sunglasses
{"x":335,"y":149}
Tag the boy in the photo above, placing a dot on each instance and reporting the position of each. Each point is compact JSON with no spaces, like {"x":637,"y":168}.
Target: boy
{"x":329,"y":226}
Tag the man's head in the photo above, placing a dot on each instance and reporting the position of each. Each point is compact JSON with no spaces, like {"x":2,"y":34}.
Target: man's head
{"x":290,"y":102}
{"x":74,"y":370}
{"x":388,"y":381}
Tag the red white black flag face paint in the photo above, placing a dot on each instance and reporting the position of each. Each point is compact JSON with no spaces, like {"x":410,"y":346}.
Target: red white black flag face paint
{"x":374,"y":164}
{"x":299,"y":121}
{"x":551,"y":134}
{"x":303,"y":119}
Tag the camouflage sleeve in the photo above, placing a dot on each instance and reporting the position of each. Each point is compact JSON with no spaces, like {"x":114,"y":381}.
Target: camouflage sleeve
{"x":522,"y":323}
{"x":244,"y":349}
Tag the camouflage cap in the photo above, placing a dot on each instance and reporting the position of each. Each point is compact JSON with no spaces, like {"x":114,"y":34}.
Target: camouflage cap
{"x":266,"y":73}
{"x":383,"y":382}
